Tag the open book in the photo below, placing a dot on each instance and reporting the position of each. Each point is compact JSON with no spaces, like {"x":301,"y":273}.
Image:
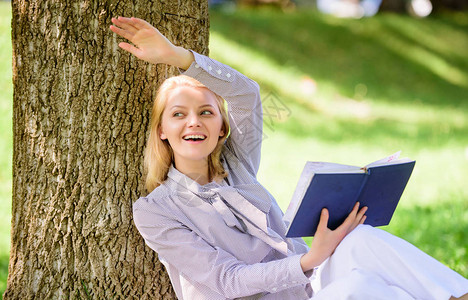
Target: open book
{"x":338,"y":187}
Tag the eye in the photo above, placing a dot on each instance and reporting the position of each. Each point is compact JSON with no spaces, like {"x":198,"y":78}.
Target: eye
{"x":177,"y":114}
{"x":206,"y":112}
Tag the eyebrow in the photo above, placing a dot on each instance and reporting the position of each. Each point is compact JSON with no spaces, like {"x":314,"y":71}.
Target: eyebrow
{"x":181,"y":106}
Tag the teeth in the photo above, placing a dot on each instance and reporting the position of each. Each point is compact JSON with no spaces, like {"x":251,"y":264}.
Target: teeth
{"x":193,"y":136}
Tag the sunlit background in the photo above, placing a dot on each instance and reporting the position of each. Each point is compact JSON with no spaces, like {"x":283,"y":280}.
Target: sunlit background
{"x":350,"y":84}
{"x":355,"y":89}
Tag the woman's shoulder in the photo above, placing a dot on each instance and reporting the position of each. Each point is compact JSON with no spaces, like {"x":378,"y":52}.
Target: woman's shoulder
{"x":154,"y":210}
{"x":153,"y":201}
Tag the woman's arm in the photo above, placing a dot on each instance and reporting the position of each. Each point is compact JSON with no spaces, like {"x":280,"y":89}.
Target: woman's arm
{"x":241,"y":93}
{"x":244,"y":107}
{"x":150,"y":44}
{"x":211,"y":266}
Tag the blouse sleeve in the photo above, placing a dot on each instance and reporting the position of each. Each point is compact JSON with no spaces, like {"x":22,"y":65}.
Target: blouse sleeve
{"x":244,"y":107}
{"x":209,"y":265}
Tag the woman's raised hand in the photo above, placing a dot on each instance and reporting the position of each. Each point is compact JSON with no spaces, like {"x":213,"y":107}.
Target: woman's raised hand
{"x":149,"y":44}
{"x":325,"y":240}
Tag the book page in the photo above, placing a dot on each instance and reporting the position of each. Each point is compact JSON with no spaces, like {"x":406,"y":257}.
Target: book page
{"x":319,"y":167}
{"x":333,"y":168}
{"x":389,"y":160}
{"x":385,"y":160}
{"x":302,"y":184}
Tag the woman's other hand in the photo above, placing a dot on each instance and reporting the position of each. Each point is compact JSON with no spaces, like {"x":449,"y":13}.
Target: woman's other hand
{"x":325,"y":240}
{"x":149,"y":44}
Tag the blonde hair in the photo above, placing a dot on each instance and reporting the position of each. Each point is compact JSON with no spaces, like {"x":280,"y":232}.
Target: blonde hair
{"x":159,"y":155}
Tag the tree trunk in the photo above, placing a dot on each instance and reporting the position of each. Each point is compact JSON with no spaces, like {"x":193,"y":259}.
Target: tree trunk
{"x":80,"y":122}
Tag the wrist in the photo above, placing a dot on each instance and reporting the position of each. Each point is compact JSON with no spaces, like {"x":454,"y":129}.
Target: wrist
{"x":308,"y":262}
{"x":305,"y":263}
{"x":183,"y":58}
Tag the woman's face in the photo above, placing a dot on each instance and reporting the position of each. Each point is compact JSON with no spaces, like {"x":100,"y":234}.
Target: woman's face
{"x":192,"y":123}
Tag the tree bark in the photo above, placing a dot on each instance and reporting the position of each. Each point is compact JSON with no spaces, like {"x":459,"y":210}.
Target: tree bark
{"x":80,"y":122}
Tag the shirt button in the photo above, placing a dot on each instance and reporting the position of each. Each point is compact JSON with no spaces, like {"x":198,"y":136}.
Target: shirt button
{"x":274,"y":289}
{"x":219,"y":71}
{"x":210,"y":68}
{"x":228,"y":75}
{"x":197,"y":66}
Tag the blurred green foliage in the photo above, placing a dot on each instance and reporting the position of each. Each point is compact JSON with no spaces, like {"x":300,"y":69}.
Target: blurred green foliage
{"x":354,"y":91}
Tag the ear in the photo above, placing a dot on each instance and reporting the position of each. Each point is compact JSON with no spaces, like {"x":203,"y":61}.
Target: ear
{"x":221,"y":133}
{"x":162,"y":135}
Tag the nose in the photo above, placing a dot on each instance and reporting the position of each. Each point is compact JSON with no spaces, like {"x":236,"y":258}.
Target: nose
{"x":193,"y":121}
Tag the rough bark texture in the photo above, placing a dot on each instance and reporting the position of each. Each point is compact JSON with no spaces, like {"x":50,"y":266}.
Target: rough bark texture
{"x":80,"y":122}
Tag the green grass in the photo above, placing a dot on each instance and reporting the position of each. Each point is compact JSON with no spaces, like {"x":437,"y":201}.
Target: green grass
{"x":383,"y":84}
{"x":6,"y":138}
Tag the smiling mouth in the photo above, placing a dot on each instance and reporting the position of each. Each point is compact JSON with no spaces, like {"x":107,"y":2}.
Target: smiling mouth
{"x":194,"y":138}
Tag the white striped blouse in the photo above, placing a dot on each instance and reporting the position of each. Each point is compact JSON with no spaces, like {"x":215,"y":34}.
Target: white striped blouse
{"x":225,"y":241}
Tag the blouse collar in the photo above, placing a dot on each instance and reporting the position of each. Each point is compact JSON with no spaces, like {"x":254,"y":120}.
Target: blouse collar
{"x":243,"y":206}
{"x":185,"y":182}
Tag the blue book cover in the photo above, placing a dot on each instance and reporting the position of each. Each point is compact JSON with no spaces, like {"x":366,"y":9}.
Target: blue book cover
{"x":378,"y":186}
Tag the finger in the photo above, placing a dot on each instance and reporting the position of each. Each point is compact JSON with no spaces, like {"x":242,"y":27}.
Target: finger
{"x":122,"y":33}
{"x":352,"y":215}
{"x":363,"y":220}
{"x":125,"y":23}
{"x":123,"y":20}
{"x":351,"y":221}
{"x":356,"y":206}
{"x":323,"y":223}
{"x":361,"y":212}
{"x":130,"y":48}
{"x":140,"y":24}
{"x":360,"y":215}
{"x":119,"y":21}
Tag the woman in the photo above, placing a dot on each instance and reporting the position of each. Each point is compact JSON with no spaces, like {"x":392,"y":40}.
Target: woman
{"x":218,"y":232}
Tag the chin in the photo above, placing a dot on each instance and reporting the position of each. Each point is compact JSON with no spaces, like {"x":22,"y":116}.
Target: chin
{"x":195,"y":157}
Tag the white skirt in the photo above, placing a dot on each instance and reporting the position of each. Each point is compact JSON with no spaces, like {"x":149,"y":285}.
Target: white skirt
{"x":373,"y":264}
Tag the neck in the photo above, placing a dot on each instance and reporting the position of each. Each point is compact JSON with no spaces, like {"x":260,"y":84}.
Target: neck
{"x":196,"y":170}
